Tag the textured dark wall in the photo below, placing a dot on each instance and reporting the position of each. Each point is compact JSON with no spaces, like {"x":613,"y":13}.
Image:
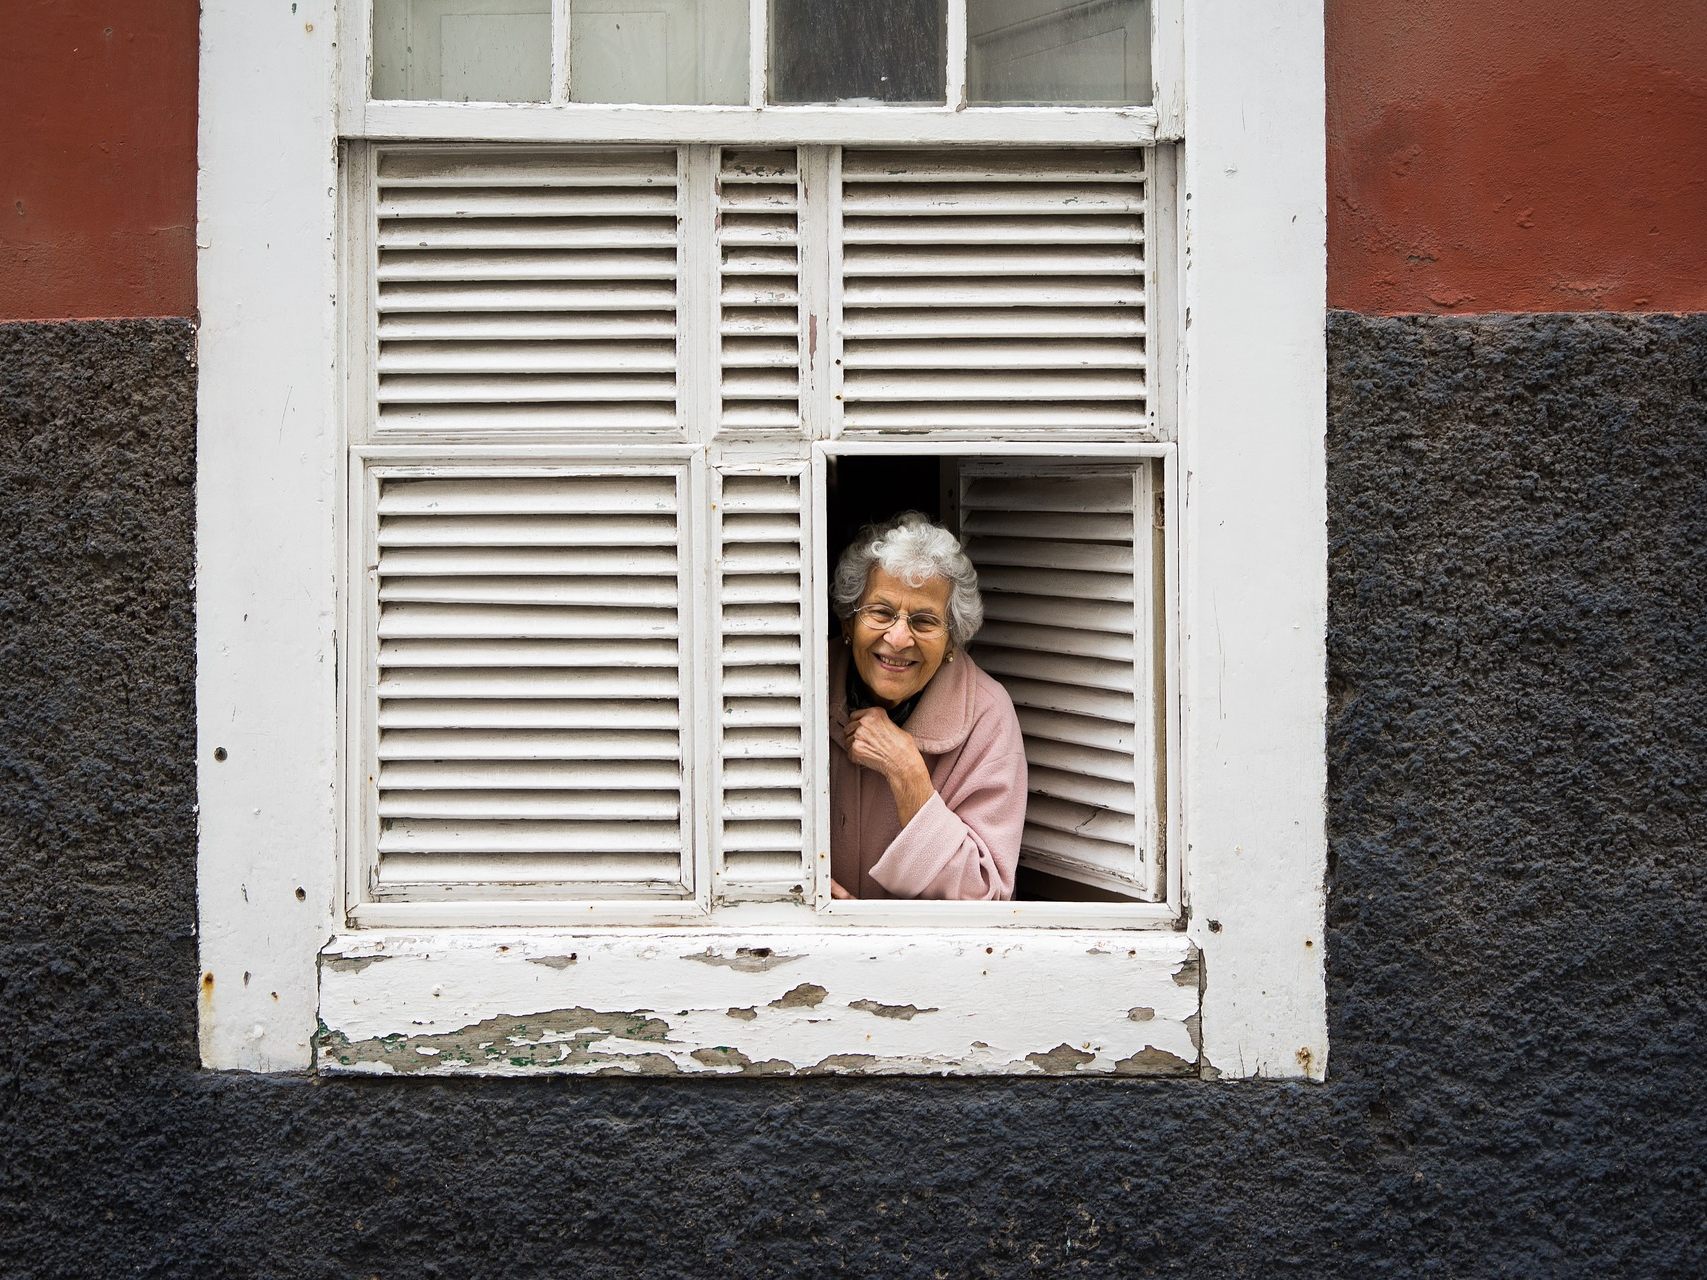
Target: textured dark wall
{"x":1519,"y":669}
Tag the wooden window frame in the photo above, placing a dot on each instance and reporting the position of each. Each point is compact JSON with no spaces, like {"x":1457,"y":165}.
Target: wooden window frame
{"x":1238,"y":991}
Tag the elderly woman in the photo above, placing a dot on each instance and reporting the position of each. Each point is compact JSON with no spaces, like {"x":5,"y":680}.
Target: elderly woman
{"x":927,"y":768}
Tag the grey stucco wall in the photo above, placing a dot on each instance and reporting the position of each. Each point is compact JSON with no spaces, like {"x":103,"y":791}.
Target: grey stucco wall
{"x":1518,"y":651}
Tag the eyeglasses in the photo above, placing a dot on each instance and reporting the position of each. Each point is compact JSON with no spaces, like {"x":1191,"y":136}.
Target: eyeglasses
{"x":880,"y":617}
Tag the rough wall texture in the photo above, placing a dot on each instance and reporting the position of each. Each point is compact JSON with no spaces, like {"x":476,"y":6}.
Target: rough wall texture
{"x":1518,"y":755}
{"x":97,"y":158}
{"x":1505,"y":155}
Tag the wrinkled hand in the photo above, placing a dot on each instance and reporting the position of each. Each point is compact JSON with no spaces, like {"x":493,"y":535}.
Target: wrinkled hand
{"x":836,"y":890}
{"x":878,"y":743}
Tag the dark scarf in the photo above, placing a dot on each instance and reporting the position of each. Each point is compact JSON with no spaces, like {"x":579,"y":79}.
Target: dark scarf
{"x":860,"y":697}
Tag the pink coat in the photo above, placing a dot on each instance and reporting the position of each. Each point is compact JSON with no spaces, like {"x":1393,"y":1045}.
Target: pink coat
{"x":964,"y":843}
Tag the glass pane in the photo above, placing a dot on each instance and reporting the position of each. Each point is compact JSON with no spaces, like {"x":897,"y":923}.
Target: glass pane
{"x":858,"y":50}
{"x":1058,"y":51}
{"x":682,"y":51}
{"x":462,"y":50}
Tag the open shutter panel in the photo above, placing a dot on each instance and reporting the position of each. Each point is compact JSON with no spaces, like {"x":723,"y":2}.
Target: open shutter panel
{"x":529,"y":687}
{"x":993,"y":291}
{"x":1065,"y":564}
{"x":758,"y":233}
{"x":763,"y":625}
{"x":527,"y":290}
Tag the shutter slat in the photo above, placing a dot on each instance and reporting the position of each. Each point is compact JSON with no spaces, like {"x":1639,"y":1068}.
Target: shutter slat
{"x":528,"y":291}
{"x":759,"y":291}
{"x":968,"y":279}
{"x":528,"y":693}
{"x":1064,"y":575}
{"x":761,"y":840}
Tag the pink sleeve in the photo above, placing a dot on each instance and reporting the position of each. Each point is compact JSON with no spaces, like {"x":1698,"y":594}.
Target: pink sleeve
{"x":964,"y":842}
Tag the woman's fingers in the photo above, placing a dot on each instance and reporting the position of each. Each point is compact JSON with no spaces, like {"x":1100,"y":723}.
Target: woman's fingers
{"x":836,"y":890}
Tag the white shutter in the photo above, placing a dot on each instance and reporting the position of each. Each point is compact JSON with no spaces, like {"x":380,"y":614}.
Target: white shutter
{"x":758,"y":233}
{"x":526,"y":290}
{"x":993,"y":292}
{"x":761,"y":594}
{"x":528,"y":685}
{"x":1065,"y":558}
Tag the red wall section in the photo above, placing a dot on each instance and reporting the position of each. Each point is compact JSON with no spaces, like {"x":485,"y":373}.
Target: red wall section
{"x":1517,"y":155}
{"x":97,"y":158}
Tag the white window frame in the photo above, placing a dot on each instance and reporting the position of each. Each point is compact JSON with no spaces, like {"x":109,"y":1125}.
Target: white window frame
{"x":1238,"y":991}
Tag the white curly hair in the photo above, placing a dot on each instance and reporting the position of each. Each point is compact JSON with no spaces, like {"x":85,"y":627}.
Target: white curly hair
{"x":914,"y":550}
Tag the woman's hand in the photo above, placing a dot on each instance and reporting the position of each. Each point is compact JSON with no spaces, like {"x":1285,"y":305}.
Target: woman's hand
{"x":877,"y":743}
{"x":836,"y":890}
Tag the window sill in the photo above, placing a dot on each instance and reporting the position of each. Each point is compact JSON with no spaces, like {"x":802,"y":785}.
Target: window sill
{"x":716,"y":1002}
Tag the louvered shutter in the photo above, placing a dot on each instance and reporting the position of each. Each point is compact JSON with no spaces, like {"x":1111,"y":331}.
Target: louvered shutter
{"x":526,"y":290}
{"x":993,"y":292}
{"x":529,"y":685}
{"x":1065,"y":558}
{"x":761,"y":576}
{"x":758,"y":231}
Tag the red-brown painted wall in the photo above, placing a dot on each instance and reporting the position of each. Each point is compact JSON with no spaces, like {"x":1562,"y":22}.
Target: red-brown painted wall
{"x":97,"y":158}
{"x":1483,"y":155}
{"x":1517,"y":155}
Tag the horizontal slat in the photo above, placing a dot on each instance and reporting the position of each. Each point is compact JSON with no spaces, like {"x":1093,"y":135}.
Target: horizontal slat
{"x":1057,"y":583}
{"x":612,"y":774}
{"x":759,"y":836}
{"x":401,"y":265}
{"x":746,"y":415}
{"x":1047,"y":229}
{"x":1071,"y":818}
{"x":762,"y":742}
{"x":1110,"y":857}
{"x":761,"y":557}
{"x":533,"y":295}
{"x":760,"y":588}
{"x":1076,"y":526}
{"x":746,"y":774}
{"x":741,"y":527}
{"x":760,"y":260}
{"x":526,"y":357}
{"x":1057,"y":668}
{"x":1073,"y":730}
{"x":575,"y":654}
{"x":511,"y":168}
{"x":1025,"y":262}
{"x":431,"y":835}
{"x":519,"y":495}
{"x":541,"y":531}
{"x":993,"y":353}
{"x":1026,"y":494}
{"x":658,"y":232}
{"x":526,"y":682}
{"x":762,"y":353}
{"x":1078,"y":760}
{"x":1063,"y":640}
{"x":775,"y":868}
{"x":1076,"y":292}
{"x":988,"y":417}
{"x":449,"y":621}
{"x":1056,"y":199}
{"x":771,"y":618}
{"x":1017,"y":165}
{"x":526,"y":202}
{"x":585,"y":592}
{"x":752,"y":713}
{"x":596,"y":742}
{"x":1102,"y":704}
{"x":1071,"y":785}
{"x":1014,"y":384}
{"x":1052,"y":554}
{"x":507,"y":714}
{"x":525,"y":326}
{"x":954,"y":320}
{"x":747,"y":651}
{"x":577,"y":562}
{"x":761,"y":805}
{"x":759,"y":384}
{"x":407,"y":390}
{"x":1091,"y":615}
{"x":749,"y":494}
{"x":658,"y":417}
{"x":586,"y":867}
{"x":531,"y":805}
{"x":782,"y":681}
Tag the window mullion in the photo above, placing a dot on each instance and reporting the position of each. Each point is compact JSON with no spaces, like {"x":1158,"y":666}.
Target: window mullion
{"x":956,"y":81}
{"x":758,"y":50}
{"x":820,"y":290}
{"x":697,"y":332}
{"x":559,"y":50}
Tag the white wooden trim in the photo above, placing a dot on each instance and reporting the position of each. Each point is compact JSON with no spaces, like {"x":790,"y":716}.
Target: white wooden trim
{"x":355,"y":62}
{"x":820,"y":285}
{"x":773,"y":1002}
{"x":560,"y":36}
{"x":1167,"y":67}
{"x":758,"y":51}
{"x":698,"y":309}
{"x":269,"y":494}
{"x":956,"y":79}
{"x":1254,"y":592}
{"x":389,"y":120}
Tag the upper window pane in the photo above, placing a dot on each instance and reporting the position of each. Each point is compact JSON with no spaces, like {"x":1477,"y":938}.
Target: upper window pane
{"x":1058,"y":51}
{"x":858,"y":50}
{"x":462,"y":50}
{"x":667,"y":51}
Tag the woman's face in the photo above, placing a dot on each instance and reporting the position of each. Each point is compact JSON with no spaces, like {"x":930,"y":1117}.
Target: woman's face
{"x":895,"y":664}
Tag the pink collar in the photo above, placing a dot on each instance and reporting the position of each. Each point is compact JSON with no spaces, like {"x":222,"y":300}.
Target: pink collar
{"x":943,"y":718}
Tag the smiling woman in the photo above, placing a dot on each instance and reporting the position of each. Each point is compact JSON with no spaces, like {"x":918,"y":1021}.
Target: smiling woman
{"x":927,"y":763}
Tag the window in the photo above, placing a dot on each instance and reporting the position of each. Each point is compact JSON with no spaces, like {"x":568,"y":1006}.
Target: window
{"x":555,"y":706}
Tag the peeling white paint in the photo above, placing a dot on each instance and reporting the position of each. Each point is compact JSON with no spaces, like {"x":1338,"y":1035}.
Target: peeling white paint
{"x":664,"y":1003}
